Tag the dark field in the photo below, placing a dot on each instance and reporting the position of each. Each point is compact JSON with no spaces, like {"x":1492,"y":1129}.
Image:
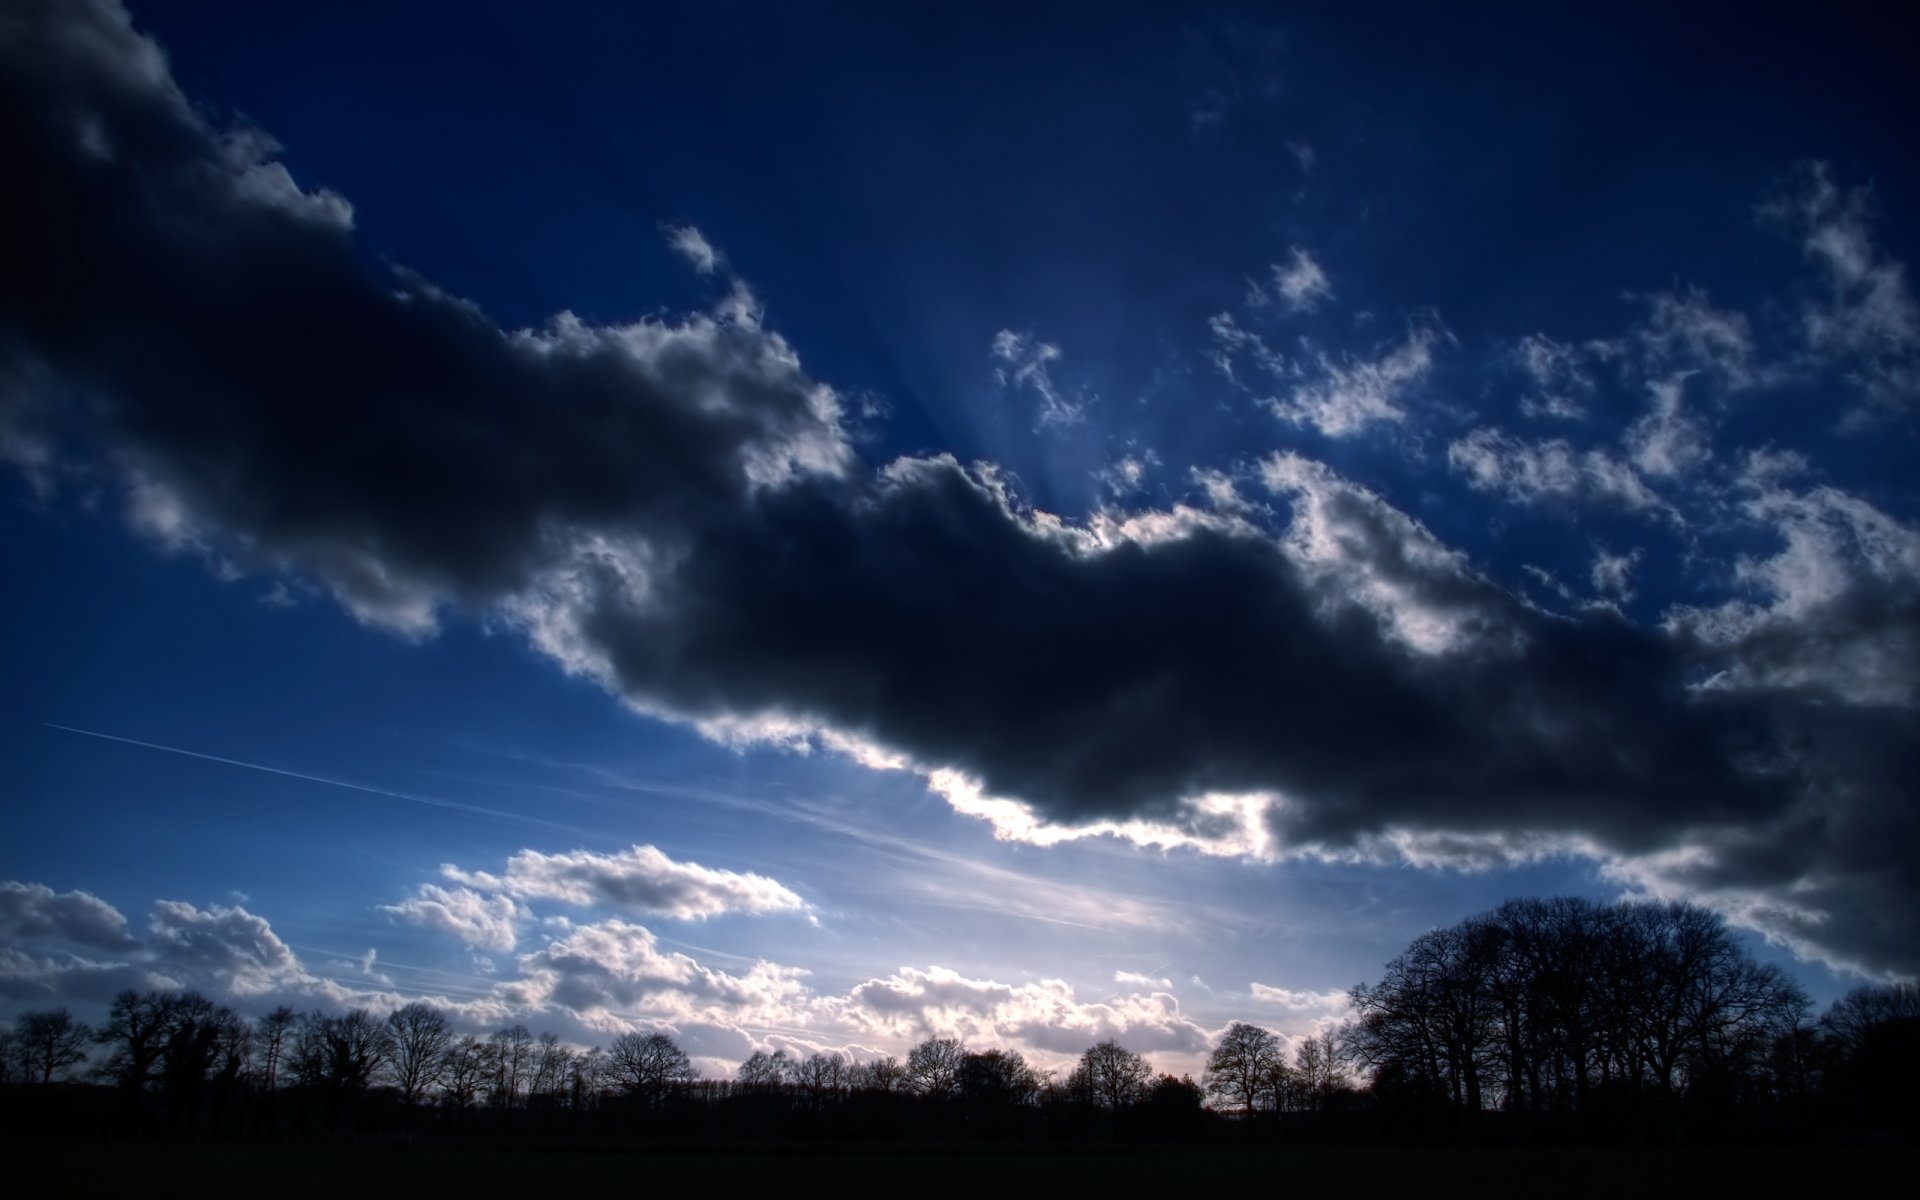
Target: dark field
{"x":67,"y":1167}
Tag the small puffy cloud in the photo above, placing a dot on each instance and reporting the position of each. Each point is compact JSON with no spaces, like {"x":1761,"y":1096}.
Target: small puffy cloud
{"x":484,"y":922}
{"x":1345,"y":396}
{"x":1299,"y":1000}
{"x":693,"y":246}
{"x":1669,"y":440}
{"x":1612,"y":574}
{"x":1136,"y":979}
{"x":1128,"y":474}
{"x":35,"y":912}
{"x":1562,"y":383}
{"x":1299,"y":285}
{"x":1301,"y":1013}
{"x":641,"y":879}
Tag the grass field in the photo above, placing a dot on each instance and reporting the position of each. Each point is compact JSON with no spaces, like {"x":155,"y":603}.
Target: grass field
{"x":91,"y":1166}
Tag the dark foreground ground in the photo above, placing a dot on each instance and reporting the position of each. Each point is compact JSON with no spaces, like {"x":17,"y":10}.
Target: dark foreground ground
{"x":59,"y":1167}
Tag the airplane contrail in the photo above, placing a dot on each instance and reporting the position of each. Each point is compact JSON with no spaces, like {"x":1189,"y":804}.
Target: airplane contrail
{"x":432,"y":801}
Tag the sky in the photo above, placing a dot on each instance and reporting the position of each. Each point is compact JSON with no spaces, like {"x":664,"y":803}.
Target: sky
{"x":814,"y":527}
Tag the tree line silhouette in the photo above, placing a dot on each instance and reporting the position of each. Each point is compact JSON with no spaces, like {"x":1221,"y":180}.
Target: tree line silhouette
{"x":1544,"y":1019}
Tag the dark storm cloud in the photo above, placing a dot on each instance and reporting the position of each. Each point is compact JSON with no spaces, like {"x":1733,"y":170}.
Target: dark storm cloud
{"x":1112,"y":684}
{"x":246,"y":364}
{"x":673,"y":508}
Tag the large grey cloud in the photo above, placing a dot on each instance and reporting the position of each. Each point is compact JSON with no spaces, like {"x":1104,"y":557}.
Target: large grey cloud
{"x":673,"y":507}
{"x":36,"y":911}
{"x":171,"y":290}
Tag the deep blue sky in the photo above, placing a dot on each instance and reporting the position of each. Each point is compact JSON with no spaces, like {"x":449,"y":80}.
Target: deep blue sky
{"x":1403,"y":457}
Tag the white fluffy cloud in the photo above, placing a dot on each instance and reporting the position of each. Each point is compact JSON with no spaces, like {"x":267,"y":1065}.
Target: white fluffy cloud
{"x":638,"y":880}
{"x":484,"y":922}
{"x":1342,"y":396}
{"x":1044,"y":1016}
{"x":614,"y":974}
{"x":224,"y":944}
{"x":693,"y":246}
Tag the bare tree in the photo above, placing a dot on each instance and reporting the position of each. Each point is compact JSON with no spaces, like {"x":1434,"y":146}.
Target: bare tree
{"x":551,"y":1059}
{"x":1317,"y":1070}
{"x":763,"y":1072}
{"x":271,"y":1036}
{"x":136,"y":1035}
{"x":49,"y":1043}
{"x":468,"y":1064}
{"x":933,"y":1067}
{"x":1537,"y":1005}
{"x":998,"y":1078}
{"x":420,"y":1037}
{"x":341,"y":1053}
{"x":1110,"y":1076}
{"x":512,"y":1047}
{"x":647,"y":1066}
{"x":1240,"y":1068}
{"x":585,"y":1075}
{"x":1853,"y":1018}
{"x":1434,"y":1017}
{"x":881,"y":1075}
{"x":821,"y":1078}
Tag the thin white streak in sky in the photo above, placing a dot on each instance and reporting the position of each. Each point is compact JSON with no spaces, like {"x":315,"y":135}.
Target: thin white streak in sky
{"x":431,"y":801}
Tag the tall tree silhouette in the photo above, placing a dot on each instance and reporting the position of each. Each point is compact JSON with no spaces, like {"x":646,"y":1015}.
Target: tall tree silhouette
{"x":273,"y":1039}
{"x":1538,"y":1006}
{"x":933,"y":1067}
{"x":647,"y":1067}
{"x":1241,"y":1068}
{"x":419,"y":1036}
{"x":1110,"y":1076}
{"x":49,"y":1043}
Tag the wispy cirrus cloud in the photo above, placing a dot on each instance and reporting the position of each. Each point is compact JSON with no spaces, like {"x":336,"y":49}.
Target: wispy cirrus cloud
{"x":1026,"y":362}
